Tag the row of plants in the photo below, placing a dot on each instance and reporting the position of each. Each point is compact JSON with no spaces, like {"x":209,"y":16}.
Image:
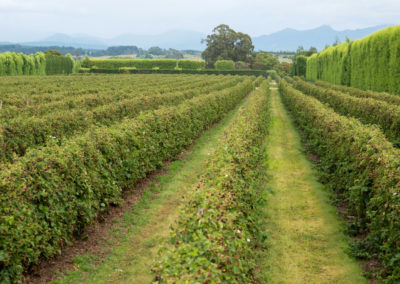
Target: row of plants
{"x":146,"y":64}
{"x":355,"y":92}
{"x":248,"y":72}
{"x":19,"y":135}
{"x":22,"y":105}
{"x":220,"y":224}
{"x":30,"y":91}
{"x":54,"y":192}
{"x":367,"y":110}
{"x":362,"y":167}
{"x":34,"y":64}
{"x":370,"y":63}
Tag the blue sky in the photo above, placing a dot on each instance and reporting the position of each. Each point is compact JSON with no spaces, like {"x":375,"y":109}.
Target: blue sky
{"x":33,"y":19}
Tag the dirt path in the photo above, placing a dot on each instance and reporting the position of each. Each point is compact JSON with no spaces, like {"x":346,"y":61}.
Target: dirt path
{"x":306,"y":243}
{"x":131,"y":260}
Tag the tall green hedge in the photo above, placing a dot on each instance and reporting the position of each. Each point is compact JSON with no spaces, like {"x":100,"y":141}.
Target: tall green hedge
{"x":300,"y":66}
{"x":56,"y":64}
{"x":12,"y":64}
{"x":370,"y":63}
{"x":163,"y":64}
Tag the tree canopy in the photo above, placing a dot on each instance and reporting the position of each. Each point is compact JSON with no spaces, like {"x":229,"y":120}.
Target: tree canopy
{"x":265,"y":61}
{"x":226,"y":44}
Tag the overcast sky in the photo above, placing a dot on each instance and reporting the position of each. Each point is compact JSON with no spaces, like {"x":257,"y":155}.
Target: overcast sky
{"x":33,"y":19}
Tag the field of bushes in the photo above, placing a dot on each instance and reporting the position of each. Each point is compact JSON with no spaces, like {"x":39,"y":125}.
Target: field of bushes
{"x":354,"y":134}
{"x":68,"y":153}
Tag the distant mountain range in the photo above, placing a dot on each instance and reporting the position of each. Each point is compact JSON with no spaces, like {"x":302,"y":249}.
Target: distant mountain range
{"x":290,"y":39}
{"x":181,"y":40}
{"x":287,"y":39}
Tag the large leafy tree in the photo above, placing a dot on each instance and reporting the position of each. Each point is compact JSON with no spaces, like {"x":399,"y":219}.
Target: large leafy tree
{"x":226,"y":44}
{"x":265,"y":61}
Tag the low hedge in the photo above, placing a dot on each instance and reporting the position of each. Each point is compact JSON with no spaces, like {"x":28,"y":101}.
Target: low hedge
{"x":144,"y":64}
{"x":224,"y":65}
{"x":358,"y":162}
{"x":219,"y":225}
{"x":183,"y":71}
{"x":191,"y":64}
{"x":53,"y":192}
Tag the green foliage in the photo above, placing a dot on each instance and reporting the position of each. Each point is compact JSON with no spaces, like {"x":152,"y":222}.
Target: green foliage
{"x":28,"y":127}
{"x":55,"y":191}
{"x":367,"y":110}
{"x":85,"y":63}
{"x":142,"y":64}
{"x":77,"y":66}
{"x":40,"y":64}
{"x":87,"y":70}
{"x":370,"y":63}
{"x":56,"y":64}
{"x":224,"y":65}
{"x":20,"y":64}
{"x":218,"y":227}
{"x":226,"y":44}
{"x":155,"y":50}
{"x":126,"y":70}
{"x":265,"y":61}
{"x":191,"y":64}
{"x":300,"y":65}
{"x":359,"y":163}
{"x":242,"y":65}
{"x":53,"y":52}
{"x":241,"y":72}
{"x":355,"y":92}
{"x":330,"y":65}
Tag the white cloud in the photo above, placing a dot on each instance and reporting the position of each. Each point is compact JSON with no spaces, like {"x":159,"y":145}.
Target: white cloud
{"x":109,"y":18}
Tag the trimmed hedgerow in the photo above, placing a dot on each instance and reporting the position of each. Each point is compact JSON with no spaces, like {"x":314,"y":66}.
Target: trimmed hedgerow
{"x":370,"y":63}
{"x":241,"y":72}
{"x":219,"y":225}
{"x":57,"y":64}
{"x":191,"y":64}
{"x":52,"y":192}
{"x":146,"y":64}
{"x":331,"y":64}
{"x":224,"y":65}
{"x":12,"y":64}
{"x":359,"y":163}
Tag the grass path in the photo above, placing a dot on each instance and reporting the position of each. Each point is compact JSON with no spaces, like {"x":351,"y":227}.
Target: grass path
{"x":306,"y":243}
{"x":149,"y":222}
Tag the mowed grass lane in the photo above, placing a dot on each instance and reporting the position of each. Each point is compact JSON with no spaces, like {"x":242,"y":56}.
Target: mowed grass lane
{"x":306,"y":242}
